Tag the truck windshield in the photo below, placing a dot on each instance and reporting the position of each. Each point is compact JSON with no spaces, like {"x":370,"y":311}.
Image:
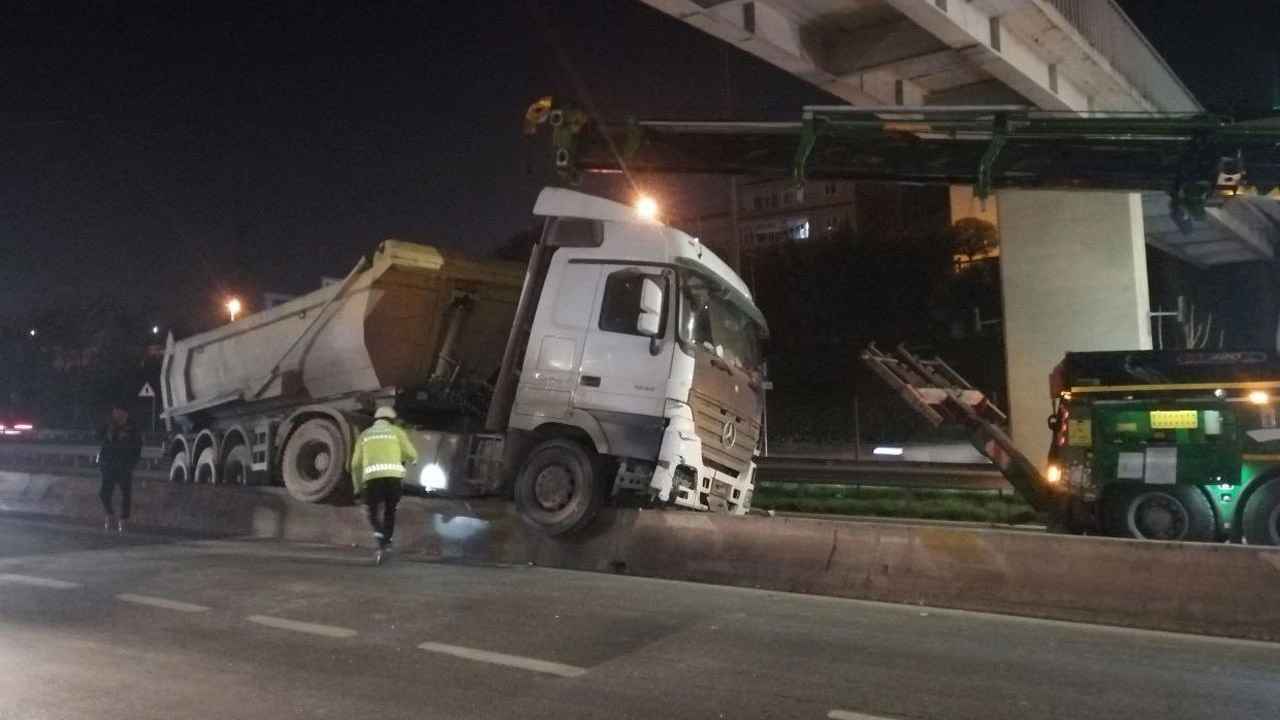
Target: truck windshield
{"x":710,"y":322}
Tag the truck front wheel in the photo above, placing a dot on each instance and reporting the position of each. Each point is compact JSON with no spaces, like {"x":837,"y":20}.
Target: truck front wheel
{"x":1262,"y":515}
{"x":314,"y":462}
{"x":1176,"y":512}
{"x":559,"y":488}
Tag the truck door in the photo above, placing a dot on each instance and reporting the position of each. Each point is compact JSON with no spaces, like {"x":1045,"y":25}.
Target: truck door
{"x":626,"y":358}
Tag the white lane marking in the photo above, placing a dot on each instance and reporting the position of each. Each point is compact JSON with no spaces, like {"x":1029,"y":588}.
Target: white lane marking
{"x":304,"y":627}
{"x":39,"y":582}
{"x":846,"y":715}
{"x":161,"y":603}
{"x":542,"y":666}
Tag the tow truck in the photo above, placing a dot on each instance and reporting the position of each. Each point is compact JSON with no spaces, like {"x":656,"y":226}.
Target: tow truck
{"x":1150,"y":445}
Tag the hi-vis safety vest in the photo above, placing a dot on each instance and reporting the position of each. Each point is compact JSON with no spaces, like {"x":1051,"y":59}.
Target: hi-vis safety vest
{"x":382,"y":451}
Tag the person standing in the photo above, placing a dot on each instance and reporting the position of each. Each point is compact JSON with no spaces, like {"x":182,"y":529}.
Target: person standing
{"x":377,"y":469}
{"x":121,"y":449}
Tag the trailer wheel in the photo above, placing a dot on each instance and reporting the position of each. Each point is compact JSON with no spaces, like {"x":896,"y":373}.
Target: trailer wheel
{"x":314,"y":463}
{"x":559,"y":489}
{"x":235,"y":469}
{"x":1176,"y":512}
{"x":207,"y":467}
{"x":180,"y":467}
{"x":1262,"y":515}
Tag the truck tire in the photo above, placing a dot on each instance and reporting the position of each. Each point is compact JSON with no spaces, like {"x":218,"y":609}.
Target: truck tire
{"x":235,"y":469}
{"x":314,"y":462}
{"x":559,"y":489}
{"x":207,"y":467}
{"x":1261,"y":521}
{"x":180,"y":467}
{"x":1173,"y":512}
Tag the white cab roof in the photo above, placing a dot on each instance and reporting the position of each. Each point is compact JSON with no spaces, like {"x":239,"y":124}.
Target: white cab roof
{"x":560,"y":202}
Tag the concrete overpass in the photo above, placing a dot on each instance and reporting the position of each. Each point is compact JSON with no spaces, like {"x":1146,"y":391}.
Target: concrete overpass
{"x":1074,"y":263}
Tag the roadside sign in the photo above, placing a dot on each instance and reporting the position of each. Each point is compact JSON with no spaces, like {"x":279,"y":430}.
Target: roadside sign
{"x":146,"y":391}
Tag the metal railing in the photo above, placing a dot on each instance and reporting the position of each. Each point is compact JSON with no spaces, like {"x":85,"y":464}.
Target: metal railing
{"x":1110,"y":31}
{"x":821,"y":471}
{"x":77,"y":457}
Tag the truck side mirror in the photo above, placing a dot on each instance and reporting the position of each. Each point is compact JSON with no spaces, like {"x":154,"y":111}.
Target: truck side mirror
{"x":649,"y":322}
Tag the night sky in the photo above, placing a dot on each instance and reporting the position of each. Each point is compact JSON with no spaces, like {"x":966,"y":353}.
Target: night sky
{"x":166,"y":154}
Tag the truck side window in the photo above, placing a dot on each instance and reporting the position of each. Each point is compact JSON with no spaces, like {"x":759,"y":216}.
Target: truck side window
{"x":620,"y":308}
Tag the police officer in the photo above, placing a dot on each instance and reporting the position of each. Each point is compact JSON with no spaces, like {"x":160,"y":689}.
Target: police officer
{"x":377,"y":469}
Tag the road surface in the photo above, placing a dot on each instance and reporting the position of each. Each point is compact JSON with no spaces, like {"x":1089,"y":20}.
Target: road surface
{"x":138,"y":626}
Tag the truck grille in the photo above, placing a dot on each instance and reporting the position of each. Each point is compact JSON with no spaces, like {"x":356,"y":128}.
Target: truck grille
{"x":710,"y":418}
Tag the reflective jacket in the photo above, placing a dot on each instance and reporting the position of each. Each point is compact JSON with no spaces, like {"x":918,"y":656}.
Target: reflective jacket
{"x":382,"y":451}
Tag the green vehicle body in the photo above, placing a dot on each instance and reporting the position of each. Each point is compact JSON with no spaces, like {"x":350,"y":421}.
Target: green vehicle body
{"x":1138,"y":434}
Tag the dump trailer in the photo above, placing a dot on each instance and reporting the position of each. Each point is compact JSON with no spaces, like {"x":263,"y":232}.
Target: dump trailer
{"x":621,"y":365}
{"x":1170,"y":445}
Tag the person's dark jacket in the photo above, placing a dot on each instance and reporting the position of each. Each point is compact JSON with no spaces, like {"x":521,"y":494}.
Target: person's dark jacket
{"x":121,"y":446}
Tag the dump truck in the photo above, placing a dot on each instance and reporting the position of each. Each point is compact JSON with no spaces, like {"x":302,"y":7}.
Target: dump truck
{"x":1146,"y":444}
{"x":621,"y":365}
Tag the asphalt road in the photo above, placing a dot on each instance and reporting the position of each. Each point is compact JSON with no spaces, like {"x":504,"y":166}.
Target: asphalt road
{"x":137,"y":626}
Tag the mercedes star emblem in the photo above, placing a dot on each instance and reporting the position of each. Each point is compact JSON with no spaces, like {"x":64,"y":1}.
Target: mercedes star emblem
{"x":729,"y":435}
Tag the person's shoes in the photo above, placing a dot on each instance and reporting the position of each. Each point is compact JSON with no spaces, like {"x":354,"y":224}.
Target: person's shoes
{"x":109,"y":523}
{"x":120,"y":525}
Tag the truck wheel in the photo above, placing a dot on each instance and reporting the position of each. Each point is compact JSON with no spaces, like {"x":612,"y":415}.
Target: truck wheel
{"x":558,"y":489}
{"x":235,"y":469}
{"x":1262,"y":515}
{"x":1165,"y":513}
{"x":180,"y":467}
{"x":207,"y":467}
{"x":314,"y":463}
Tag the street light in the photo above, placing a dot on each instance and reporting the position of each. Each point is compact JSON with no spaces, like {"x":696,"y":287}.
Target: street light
{"x":647,"y":207}
{"x":32,"y":332}
{"x":233,"y":308}
{"x":155,"y":329}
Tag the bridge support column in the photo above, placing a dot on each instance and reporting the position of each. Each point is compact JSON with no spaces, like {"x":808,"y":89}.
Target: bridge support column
{"x":1073,"y":268}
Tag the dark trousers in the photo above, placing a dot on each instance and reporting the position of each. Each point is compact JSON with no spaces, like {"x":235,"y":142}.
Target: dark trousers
{"x":112,"y":478}
{"x":384,"y":494}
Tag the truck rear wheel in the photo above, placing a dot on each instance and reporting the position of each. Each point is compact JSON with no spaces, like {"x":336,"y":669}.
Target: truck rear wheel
{"x":314,"y":463}
{"x":235,"y":469}
{"x":1261,"y":524}
{"x":559,"y":488}
{"x":207,"y":467}
{"x":180,"y":467}
{"x":1175,"y":512}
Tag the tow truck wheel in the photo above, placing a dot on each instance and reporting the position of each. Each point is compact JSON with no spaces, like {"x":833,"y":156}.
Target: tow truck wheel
{"x":314,"y":462}
{"x":180,"y":467}
{"x":559,"y":488}
{"x":1164,"y":513}
{"x":1262,"y":515}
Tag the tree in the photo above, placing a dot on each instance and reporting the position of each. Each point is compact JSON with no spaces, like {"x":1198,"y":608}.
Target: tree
{"x":973,"y":238}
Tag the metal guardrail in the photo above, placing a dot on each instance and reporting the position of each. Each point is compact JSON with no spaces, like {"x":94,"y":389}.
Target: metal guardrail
{"x":28,"y":455}
{"x":819,"y":471}
{"x":35,"y":455}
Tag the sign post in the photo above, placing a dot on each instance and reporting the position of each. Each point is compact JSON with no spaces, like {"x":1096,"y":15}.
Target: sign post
{"x":148,"y":392}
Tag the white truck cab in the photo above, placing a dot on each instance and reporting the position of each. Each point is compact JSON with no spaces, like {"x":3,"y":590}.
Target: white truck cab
{"x":644,"y":343}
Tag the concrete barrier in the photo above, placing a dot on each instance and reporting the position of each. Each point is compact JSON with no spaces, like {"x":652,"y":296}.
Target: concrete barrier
{"x":1210,"y":589}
